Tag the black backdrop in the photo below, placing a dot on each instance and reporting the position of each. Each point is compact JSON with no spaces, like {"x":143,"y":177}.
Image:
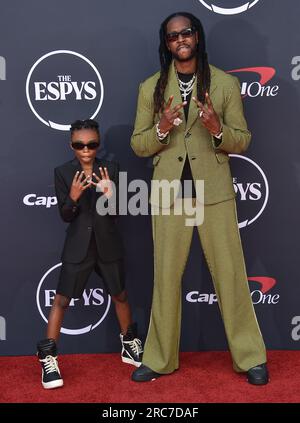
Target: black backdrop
{"x":116,"y":47}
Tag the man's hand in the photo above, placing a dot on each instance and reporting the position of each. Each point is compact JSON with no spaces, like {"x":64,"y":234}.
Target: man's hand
{"x":104,"y":183}
{"x":168,"y":115}
{"x":79,"y":184}
{"x":208,"y":116}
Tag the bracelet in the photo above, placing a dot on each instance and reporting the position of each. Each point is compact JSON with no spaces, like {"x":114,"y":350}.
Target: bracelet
{"x":161,"y":135}
{"x":219,"y":134}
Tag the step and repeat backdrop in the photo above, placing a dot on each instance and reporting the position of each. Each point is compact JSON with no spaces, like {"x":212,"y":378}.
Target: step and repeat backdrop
{"x":66,"y":60}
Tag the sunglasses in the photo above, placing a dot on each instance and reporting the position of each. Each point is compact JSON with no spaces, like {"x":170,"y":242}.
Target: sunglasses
{"x":80,"y":145}
{"x":185,"y":33}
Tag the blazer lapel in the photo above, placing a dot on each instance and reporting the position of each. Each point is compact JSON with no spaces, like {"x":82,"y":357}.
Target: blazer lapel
{"x":77,"y":166}
{"x":172,"y":88}
{"x":193,"y":110}
{"x":96,"y":166}
{"x":93,"y":190}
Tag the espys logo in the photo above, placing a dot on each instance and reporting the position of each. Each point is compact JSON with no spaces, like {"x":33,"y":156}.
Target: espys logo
{"x":251,"y":188}
{"x":223,"y":8}
{"x":259,"y":296}
{"x":253,"y":88}
{"x":63,"y":84}
{"x":95,"y":303}
{"x":2,"y":329}
{"x":2,"y":69}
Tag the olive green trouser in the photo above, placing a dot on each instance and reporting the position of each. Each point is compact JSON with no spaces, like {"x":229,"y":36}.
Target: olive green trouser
{"x":221,"y":244}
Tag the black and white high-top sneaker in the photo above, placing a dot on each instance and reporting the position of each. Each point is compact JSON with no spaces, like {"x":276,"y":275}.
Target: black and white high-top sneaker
{"x":132,"y":350}
{"x":47,"y":354}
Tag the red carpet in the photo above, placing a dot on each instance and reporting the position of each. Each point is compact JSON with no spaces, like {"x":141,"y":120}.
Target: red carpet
{"x":204,"y":377}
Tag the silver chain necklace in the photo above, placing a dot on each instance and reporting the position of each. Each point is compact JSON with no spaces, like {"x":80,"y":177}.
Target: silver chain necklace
{"x":186,"y":87}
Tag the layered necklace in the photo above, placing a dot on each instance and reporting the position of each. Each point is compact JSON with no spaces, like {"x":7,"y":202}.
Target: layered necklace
{"x":185,"y":87}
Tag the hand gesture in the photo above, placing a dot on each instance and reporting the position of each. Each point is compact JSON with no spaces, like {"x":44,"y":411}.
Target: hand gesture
{"x":166,"y":122}
{"x":208,"y":116}
{"x":104,"y":182}
{"x":79,"y":184}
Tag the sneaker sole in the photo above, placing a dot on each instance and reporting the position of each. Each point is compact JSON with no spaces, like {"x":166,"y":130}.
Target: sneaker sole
{"x":260,"y":383}
{"x":144,"y":379}
{"x":53,"y":384}
{"x":130,"y":361}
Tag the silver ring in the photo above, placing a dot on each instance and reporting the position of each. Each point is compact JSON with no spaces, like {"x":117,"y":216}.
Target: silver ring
{"x":201,"y":113}
{"x":177,"y":121}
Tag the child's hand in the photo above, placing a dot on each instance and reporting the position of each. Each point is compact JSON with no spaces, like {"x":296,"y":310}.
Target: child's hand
{"x":79,"y":184}
{"x":104,"y":183}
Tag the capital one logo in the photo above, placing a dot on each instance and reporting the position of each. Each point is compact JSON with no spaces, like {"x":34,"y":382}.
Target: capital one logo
{"x":35,"y":200}
{"x":253,"y":87}
{"x":83,"y":315}
{"x":259,"y":296}
{"x":62,"y":86}
{"x":262,"y":295}
{"x":222,"y":7}
{"x":251,"y":187}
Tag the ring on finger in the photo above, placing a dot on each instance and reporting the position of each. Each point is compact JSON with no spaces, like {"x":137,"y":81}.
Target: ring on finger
{"x":177,"y":121}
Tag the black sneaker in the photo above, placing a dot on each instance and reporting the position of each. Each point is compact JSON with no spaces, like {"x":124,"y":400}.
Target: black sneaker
{"x":258,"y":375}
{"x":47,"y":354}
{"x":132,"y":350}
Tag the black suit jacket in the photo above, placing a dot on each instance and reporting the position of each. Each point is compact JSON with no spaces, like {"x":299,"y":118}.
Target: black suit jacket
{"x":83,"y":216}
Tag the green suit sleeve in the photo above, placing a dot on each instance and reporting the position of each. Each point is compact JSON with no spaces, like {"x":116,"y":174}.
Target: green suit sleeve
{"x":236,"y":137}
{"x":144,"y":141}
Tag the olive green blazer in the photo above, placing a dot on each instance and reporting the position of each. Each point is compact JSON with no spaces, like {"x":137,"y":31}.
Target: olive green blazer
{"x":191,"y":139}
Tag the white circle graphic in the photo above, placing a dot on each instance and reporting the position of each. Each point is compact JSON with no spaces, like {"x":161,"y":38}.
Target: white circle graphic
{"x":54,"y":125}
{"x":79,"y":331}
{"x":248,"y":222}
{"x":229,"y":10}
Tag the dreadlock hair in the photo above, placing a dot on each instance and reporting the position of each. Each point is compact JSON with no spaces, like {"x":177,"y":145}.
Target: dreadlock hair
{"x":203,"y":71}
{"x":84,"y":124}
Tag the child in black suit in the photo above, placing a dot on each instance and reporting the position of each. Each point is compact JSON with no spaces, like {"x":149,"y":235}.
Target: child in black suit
{"x":92,"y":243}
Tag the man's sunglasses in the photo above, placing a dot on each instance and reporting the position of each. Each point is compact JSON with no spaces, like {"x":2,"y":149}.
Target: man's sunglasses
{"x":185,"y":33}
{"x":80,"y":145}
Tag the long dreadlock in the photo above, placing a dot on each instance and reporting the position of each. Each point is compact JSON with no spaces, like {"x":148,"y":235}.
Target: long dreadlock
{"x":203,"y":71}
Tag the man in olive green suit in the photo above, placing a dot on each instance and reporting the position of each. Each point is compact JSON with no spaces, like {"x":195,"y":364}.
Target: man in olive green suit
{"x":189,"y":117}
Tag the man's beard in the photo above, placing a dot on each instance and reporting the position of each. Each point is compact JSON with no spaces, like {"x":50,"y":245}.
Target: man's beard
{"x":185,"y":59}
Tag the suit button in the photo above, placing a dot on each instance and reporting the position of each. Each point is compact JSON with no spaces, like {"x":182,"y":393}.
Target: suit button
{"x":89,"y":228}
{"x":187,"y":135}
{"x":180,"y":158}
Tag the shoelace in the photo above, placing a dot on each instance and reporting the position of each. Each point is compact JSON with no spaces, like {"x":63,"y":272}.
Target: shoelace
{"x":50,"y":364}
{"x":135,"y":345}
